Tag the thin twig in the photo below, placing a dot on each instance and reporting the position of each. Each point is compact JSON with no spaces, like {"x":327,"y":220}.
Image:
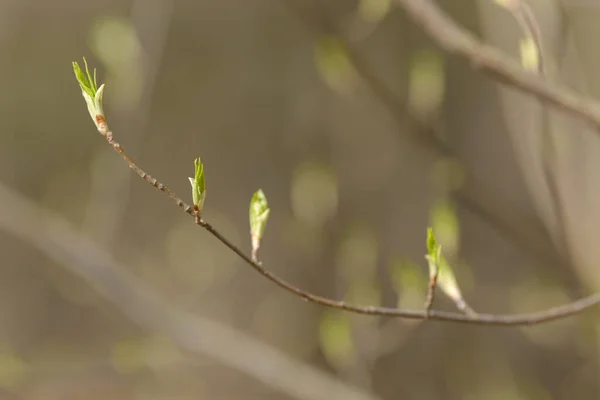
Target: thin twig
{"x":456,"y":40}
{"x":431,"y":291}
{"x":479,"y":319}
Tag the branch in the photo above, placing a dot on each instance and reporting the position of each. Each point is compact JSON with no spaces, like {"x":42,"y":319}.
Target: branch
{"x":432,"y":285}
{"x":93,"y":96}
{"x":479,"y":319}
{"x":456,"y":40}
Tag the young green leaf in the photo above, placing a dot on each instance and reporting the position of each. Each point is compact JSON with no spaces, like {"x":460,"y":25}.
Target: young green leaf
{"x":432,"y":246}
{"x":439,"y":267}
{"x":90,"y":91}
{"x":82,"y":79}
{"x":198,"y":185}
{"x":259,"y":215}
{"x":92,"y":82}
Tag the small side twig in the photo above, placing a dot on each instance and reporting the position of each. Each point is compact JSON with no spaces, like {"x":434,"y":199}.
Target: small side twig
{"x":431,"y":291}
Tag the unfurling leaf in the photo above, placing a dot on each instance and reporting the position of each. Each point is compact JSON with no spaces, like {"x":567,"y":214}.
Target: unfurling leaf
{"x":198,"y":185}
{"x":259,"y":214}
{"x":432,"y":246}
{"x":434,"y":253}
{"x":445,"y":275}
{"x":91,"y":93}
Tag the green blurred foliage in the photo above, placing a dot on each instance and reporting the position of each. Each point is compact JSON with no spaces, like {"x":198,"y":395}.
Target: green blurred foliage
{"x":334,"y":66}
{"x":335,"y":335}
{"x":13,"y":369}
{"x":314,"y":193}
{"x":374,"y":10}
{"x":409,"y":282}
{"x":426,"y":82}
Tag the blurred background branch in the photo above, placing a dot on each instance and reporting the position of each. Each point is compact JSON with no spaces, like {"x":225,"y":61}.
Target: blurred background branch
{"x":59,"y":241}
{"x":455,"y":40}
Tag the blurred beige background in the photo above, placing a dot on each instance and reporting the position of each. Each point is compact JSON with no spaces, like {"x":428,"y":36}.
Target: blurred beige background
{"x":360,"y":132}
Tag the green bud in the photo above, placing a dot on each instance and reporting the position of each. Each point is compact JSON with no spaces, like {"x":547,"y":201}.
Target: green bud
{"x":439,"y":266}
{"x":433,"y":248}
{"x":198,"y":185}
{"x":90,"y":91}
{"x":259,"y":214}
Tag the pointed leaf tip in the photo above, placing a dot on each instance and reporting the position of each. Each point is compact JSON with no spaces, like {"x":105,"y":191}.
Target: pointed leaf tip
{"x":431,"y":242}
{"x":439,"y":266}
{"x":90,"y":91}
{"x":198,"y":185}
{"x":259,"y":215}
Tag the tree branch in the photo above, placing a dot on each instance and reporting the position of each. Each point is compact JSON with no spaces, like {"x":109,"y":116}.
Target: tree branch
{"x":456,"y":40}
{"x":479,"y":319}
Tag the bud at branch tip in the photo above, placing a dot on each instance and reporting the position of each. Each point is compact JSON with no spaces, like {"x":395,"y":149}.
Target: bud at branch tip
{"x":92,"y":94}
{"x":259,"y":215}
{"x":198,"y":186}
